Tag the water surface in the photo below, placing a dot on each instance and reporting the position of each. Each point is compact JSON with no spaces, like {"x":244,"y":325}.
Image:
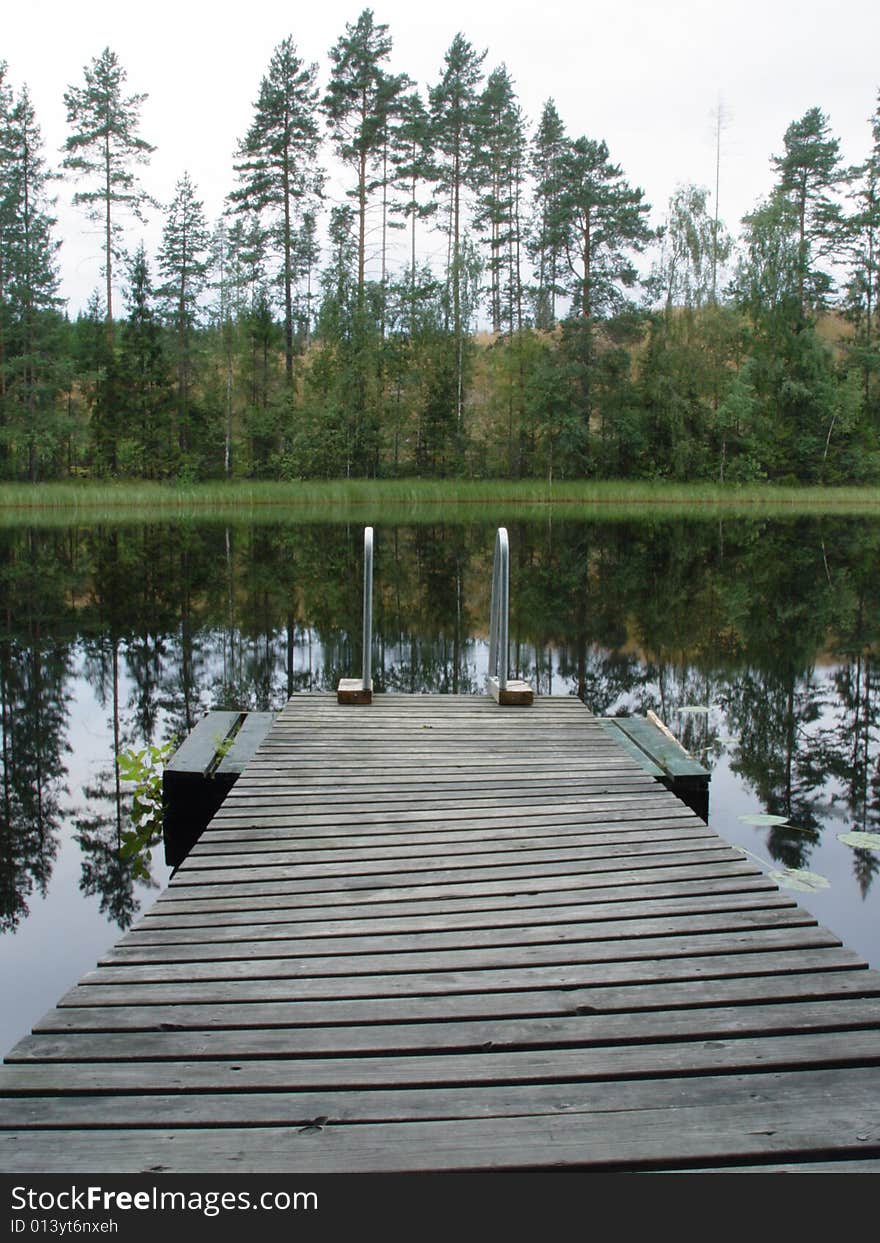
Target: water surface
{"x":757,"y":642}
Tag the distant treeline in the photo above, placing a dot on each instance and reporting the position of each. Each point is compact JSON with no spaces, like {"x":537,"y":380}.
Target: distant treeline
{"x":290,"y":341}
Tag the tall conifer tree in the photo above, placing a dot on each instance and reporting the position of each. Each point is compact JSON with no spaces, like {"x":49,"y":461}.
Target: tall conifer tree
{"x":604,"y":219}
{"x":7,"y":216}
{"x":145,"y":374}
{"x":101,"y":150}
{"x":29,"y":354}
{"x":453,"y":103}
{"x":863,"y":294}
{"x":184,"y":261}
{"x":412,"y":160}
{"x":497,"y":172}
{"x":546,"y":235}
{"x":810,"y":178}
{"x":359,"y":99}
{"x":277,"y":171}
{"x":604,"y":222}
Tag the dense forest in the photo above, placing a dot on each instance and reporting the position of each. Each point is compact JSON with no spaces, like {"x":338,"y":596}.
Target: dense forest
{"x":559,"y":335}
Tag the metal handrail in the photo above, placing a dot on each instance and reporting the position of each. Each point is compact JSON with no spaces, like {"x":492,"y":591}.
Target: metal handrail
{"x":498,"y":642}
{"x":367,"y":675}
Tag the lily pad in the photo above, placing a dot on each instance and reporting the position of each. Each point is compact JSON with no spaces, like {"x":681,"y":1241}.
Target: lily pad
{"x":760,"y":818}
{"x":801,"y":880}
{"x":860,"y":841}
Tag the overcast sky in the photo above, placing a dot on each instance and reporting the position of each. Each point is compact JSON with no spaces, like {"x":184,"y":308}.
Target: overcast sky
{"x":646,"y":76}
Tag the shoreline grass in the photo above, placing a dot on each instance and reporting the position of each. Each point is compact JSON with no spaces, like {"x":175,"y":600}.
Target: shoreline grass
{"x":419,"y":500}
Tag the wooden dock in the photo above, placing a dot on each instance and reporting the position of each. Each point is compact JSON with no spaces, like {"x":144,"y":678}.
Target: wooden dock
{"x":436,"y":933}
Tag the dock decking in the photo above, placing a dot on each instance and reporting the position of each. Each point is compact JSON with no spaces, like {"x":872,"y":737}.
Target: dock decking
{"x":436,"y":933}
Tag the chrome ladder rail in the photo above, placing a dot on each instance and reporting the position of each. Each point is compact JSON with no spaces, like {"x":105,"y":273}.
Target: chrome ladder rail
{"x":360,"y":690}
{"x":500,"y":686}
{"x":367,"y":664}
{"x":498,"y":615}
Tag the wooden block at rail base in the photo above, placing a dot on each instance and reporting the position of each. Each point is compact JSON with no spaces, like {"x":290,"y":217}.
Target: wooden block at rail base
{"x":353,"y":691}
{"x":515,"y":692}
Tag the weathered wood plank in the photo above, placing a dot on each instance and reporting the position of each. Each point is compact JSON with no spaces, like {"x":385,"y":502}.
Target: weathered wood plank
{"x":628,"y":998}
{"x":575,"y":975}
{"x":649,"y":1139}
{"x":385,"y":1105}
{"x":729,"y":873}
{"x":303,"y":858}
{"x":318,"y":878}
{"x":244,"y":948}
{"x":581,"y":1031}
{"x":731,"y":1055}
{"x":171,"y":933}
{"x":257,"y":822}
{"x":580,"y":950}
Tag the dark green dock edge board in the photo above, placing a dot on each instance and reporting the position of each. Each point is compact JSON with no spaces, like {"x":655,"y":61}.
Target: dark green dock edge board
{"x":612,"y":727}
{"x":658,"y":754}
{"x":203,"y":770}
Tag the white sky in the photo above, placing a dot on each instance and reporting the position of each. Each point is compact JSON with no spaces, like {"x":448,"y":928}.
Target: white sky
{"x":643,"y":75}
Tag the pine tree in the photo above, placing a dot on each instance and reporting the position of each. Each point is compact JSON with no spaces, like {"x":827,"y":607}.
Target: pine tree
{"x":604,"y":220}
{"x":339,"y":278}
{"x":277,"y":172}
{"x":810,"y":176}
{"x":453,"y":103}
{"x":359,"y":99}
{"x":497,"y":172}
{"x":7,"y":219}
{"x":184,"y":261}
{"x":255,"y":342}
{"x":393,"y":104}
{"x":546,"y":237}
{"x":411,"y":157}
{"x":224,"y":320}
{"x":307,"y":250}
{"x":145,"y":375}
{"x":98,"y":380}
{"x":101,"y":151}
{"x":863,"y":292}
{"x":29,"y":320}
{"x":792,"y":369}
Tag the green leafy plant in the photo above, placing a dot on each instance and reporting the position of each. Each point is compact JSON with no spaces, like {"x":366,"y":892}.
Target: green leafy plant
{"x":143,"y":769}
{"x":222,"y":746}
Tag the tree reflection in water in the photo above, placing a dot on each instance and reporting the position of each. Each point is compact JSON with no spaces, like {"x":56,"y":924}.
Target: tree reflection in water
{"x":768,"y":630}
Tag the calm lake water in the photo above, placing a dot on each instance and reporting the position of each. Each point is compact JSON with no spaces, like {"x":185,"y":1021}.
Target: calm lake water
{"x":757,"y":642}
